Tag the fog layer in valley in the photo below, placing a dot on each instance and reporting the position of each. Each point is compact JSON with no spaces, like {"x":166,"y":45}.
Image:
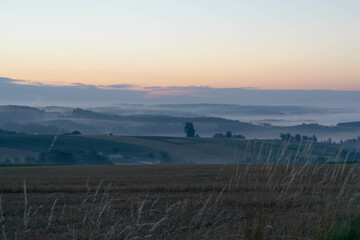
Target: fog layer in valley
{"x":274,"y":115}
{"x":169,"y":120}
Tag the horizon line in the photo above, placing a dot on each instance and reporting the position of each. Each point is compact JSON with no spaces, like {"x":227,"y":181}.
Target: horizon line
{"x":144,"y":88}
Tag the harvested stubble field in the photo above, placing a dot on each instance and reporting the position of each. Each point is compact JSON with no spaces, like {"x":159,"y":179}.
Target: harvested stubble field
{"x":265,"y":201}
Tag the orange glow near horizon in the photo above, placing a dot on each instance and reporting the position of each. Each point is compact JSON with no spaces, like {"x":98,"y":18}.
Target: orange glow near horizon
{"x":218,"y":75}
{"x":266,"y":45}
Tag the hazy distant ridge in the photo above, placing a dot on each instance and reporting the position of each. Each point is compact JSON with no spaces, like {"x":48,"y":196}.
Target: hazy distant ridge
{"x":32,"y":120}
{"x":93,"y":96}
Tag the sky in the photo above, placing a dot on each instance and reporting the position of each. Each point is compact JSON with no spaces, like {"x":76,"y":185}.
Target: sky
{"x":278,"y":44}
{"x":15,"y":92}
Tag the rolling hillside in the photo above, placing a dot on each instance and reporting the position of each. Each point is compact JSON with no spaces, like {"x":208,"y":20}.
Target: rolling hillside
{"x":128,"y":122}
{"x":74,"y":150}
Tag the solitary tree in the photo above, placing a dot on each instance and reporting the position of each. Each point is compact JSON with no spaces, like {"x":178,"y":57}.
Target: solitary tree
{"x":298,"y":137}
{"x":189,"y":129}
{"x":228,"y":134}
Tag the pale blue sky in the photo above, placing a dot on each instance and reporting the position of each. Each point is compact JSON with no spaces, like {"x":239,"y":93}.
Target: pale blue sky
{"x":263,"y":44}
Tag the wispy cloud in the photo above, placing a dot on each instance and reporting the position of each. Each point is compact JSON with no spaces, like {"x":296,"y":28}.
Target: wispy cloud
{"x":119,"y":87}
{"x":15,"y":91}
{"x":24,"y":82}
{"x":156,"y":91}
{"x":150,"y":92}
{"x":167,"y":92}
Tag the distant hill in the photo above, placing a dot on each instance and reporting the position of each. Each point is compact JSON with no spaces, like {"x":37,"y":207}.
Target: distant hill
{"x":20,"y":114}
{"x":349,"y":125}
{"x":58,"y":120}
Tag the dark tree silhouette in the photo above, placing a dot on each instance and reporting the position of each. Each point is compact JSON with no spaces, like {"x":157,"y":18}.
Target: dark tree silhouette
{"x":288,"y":137}
{"x":228,"y":134}
{"x":189,"y":129}
{"x":76,"y":132}
{"x":219,"y":135}
{"x":239,"y":136}
{"x":298,"y":137}
{"x":283,"y":136}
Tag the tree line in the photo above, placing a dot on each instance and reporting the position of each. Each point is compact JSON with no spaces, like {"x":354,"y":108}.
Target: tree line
{"x":298,"y":138}
{"x":190,"y":131}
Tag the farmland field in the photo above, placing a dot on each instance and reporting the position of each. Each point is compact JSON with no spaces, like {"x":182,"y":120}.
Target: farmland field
{"x":247,"y":201}
{"x":11,"y":153}
{"x":179,"y":150}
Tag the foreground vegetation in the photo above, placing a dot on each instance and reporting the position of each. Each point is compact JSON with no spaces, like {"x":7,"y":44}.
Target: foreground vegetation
{"x":253,"y":201}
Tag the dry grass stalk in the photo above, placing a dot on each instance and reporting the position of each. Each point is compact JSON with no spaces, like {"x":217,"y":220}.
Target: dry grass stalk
{"x":26,"y":210}
{"x":259,"y":203}
{"x":2,"y":220}
{"x":51,"y":214}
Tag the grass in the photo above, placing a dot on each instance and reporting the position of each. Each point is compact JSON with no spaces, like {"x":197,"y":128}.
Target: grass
{"x":275,"y":196}
{"x":347,"y":228}
{"x":255,"y":201}
{"x":343,"y":228}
